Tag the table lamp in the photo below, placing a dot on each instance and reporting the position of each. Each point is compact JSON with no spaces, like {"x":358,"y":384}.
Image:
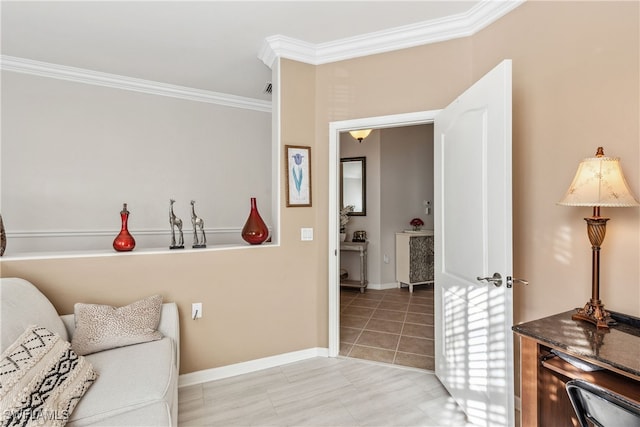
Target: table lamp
{"x":599,"y":182}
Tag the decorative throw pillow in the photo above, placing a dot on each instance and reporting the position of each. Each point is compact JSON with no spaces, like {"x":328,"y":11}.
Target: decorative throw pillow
{"x":41,"y":379}
{"x":102,"y":327}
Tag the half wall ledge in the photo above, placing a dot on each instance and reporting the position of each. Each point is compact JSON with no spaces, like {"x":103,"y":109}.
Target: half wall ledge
{"x":143,"y":251}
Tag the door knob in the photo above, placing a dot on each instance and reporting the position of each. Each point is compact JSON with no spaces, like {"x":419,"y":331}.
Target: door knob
{"x":511,"y":281}
{"x":496,"y":279}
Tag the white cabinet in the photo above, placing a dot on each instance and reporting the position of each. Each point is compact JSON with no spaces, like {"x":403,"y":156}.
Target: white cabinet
{"x":414,"y":258}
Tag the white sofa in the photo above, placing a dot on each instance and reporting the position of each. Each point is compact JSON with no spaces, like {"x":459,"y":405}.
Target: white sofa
{"x":136,"y":385}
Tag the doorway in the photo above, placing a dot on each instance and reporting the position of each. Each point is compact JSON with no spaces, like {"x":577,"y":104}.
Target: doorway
{"x":335,"y":129}
{"x":385,"y":323}
{"x":472,"y":145}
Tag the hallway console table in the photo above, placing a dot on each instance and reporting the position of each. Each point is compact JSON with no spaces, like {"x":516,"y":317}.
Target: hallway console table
{"x":613,"y":358}
{"x":361,"y":248}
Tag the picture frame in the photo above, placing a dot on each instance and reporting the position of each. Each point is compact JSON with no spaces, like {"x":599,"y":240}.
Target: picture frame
{"x":298,"y":169}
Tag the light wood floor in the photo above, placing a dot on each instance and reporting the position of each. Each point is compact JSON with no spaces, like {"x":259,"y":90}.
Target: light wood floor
{"x":322,"y":392}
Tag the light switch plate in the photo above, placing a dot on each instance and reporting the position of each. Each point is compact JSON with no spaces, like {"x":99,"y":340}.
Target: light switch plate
{"x":306,"y":234}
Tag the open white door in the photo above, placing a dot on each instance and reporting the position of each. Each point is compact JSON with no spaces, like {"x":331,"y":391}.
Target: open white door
{"x":473,"y":239}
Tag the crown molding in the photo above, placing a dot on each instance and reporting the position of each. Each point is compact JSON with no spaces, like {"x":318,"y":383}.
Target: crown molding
{"x":437,"y":30}
{"x":81,"y":75}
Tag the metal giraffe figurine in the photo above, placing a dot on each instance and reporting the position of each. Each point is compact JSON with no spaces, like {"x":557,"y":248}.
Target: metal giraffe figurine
{"x":198,"y":223}
{"x":175,"y":222}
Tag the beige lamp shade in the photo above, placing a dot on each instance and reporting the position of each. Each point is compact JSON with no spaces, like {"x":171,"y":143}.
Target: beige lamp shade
{"x":599,"y":181}
{"x":360,"y":134}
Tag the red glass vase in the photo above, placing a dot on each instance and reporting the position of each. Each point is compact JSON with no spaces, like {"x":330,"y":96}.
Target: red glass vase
{"x":255,"y":231}
{"x":124,"y":241}
{"x":3,"y":237}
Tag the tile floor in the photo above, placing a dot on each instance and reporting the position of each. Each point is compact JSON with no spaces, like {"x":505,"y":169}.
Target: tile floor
{"x":391,"y":326}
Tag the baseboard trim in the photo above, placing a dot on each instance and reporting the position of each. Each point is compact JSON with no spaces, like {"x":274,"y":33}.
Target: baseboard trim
{"x":382,"y":286}
{"x":212,"y":374}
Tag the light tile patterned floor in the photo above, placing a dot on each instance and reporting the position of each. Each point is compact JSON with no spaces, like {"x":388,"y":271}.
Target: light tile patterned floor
{"x":391,"y":326}
{"x":322,"y":392}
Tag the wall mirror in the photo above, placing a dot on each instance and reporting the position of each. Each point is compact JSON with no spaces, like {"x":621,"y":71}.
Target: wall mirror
{"x":353,"y":184}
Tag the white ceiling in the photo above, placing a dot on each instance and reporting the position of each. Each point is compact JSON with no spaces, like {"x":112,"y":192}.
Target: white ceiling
{"x":218,"y":45}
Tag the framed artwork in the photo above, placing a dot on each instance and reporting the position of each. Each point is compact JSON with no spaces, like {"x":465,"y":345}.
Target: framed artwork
{"x":298,"y":164}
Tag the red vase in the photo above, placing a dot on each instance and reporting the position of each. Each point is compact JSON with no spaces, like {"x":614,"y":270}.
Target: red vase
{"x":124,"y":241}
{"x":255,"y":231}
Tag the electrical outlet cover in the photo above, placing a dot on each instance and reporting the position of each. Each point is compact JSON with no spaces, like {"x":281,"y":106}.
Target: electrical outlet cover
{"x":196,"y":310}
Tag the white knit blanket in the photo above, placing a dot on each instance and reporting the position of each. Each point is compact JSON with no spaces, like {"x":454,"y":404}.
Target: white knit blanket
{"x":41,"y":380}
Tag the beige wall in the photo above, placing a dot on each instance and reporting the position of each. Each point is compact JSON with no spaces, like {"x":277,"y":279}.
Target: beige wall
{"x":576,"y":86}
{"x":245,"y":315}
{"x":257,"y":301}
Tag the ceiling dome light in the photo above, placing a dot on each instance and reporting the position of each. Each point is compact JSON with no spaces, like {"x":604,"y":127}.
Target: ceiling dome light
{"x":360,"y":134}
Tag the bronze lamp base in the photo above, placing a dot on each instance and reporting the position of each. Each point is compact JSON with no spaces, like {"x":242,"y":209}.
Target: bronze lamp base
{"x":594,"y":312}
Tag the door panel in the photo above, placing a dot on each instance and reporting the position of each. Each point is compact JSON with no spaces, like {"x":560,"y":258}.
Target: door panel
{"x":465,"y":233}
{"x":474,"y":343}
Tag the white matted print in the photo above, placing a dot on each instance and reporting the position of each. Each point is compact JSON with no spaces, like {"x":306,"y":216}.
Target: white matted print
{"x":298,"y":181}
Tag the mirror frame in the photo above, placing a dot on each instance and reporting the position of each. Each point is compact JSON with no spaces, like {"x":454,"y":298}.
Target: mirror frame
{"x":363,"y":162}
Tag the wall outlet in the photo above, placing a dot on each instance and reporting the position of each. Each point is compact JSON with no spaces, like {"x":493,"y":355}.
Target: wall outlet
{"x":196,"y":310}
{"x":385,"y":259}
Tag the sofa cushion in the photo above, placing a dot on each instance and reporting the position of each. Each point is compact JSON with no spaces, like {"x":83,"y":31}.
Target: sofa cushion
{"x":102,"y":327}
{"x":23,"y":305}
{"x":41,"y":379}
{"x":153,"y":415}
{"x":132,"y":379}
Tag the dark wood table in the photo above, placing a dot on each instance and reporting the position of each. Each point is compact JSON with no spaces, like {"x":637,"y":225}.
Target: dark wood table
{"x":614,"y":353}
